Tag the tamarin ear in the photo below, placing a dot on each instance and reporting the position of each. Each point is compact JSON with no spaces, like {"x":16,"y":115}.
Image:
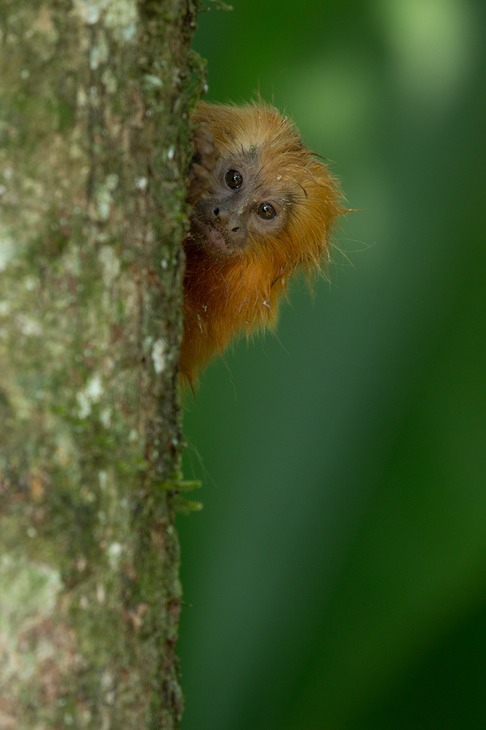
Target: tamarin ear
{"x":202,"y":164}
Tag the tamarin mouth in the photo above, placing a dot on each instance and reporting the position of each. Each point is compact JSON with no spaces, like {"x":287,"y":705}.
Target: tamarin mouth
{"x":210,"y":235}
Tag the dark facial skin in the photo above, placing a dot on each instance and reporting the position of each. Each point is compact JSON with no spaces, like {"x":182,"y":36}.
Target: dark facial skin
{"x":238,"y":208}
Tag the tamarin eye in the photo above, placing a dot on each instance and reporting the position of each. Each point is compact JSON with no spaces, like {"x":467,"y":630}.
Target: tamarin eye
{"x":233,"y":179}
{"x":266,"y":211}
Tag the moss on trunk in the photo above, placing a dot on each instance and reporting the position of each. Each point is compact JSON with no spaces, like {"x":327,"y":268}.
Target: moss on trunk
{"x":95,"y":99}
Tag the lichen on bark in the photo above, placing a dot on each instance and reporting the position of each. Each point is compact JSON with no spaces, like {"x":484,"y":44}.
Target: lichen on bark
{"x":95,"y":101}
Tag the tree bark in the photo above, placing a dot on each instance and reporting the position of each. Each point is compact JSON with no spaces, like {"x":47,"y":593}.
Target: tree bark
{"x":95,"y":100}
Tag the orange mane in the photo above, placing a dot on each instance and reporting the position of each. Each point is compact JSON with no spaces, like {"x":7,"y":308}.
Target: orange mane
{"x":227,"y":295}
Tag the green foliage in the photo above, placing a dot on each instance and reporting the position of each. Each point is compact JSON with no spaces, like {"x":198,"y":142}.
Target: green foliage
{"x":336,"y":578}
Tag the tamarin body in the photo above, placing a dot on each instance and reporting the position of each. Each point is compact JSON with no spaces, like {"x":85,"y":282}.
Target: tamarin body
{"x":262,"y":208}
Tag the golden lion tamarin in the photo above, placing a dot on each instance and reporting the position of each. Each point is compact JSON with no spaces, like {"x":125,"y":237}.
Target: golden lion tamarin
{"x":262,"y":207}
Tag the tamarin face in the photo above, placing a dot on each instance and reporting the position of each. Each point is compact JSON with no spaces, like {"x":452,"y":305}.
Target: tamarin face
{"x":260,"y":180}
{"x":242,"y":206}
{"x":262,"y":207}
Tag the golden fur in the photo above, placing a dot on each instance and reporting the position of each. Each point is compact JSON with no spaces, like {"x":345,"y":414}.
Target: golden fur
{"x":228,"y":294}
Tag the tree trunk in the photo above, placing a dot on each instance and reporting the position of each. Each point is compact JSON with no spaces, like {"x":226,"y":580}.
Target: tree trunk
{"x":95,"y":98}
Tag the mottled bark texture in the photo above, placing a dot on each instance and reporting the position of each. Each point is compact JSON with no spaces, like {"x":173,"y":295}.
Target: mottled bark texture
{"x":95,"y":98}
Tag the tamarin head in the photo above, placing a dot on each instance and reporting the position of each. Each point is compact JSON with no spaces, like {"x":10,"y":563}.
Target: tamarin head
{"x":262,"y":207}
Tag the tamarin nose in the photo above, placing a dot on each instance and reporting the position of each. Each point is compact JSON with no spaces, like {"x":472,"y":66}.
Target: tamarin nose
{"x":226,"y":217}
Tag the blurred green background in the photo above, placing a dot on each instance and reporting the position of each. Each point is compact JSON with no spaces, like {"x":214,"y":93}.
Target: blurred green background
{"x":336,"y":577}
